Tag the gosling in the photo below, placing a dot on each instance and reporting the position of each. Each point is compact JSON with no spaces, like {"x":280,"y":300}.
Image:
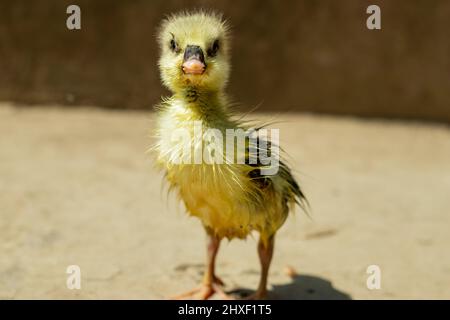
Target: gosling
{"x":230,"y":198}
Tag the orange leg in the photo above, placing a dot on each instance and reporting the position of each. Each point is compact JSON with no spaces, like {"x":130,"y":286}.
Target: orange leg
{"x":265,"y":252}
{"x":211,"y":283}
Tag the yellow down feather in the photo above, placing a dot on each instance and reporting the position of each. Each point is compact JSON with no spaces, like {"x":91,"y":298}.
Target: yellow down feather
{"x":227,"y":198}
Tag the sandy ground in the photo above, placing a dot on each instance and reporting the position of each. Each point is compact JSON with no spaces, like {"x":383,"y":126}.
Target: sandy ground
{"x":76,"y":188}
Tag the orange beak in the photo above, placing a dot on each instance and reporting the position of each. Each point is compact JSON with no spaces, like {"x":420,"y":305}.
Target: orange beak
{"x":193,"y":66}
{"x":194,"y":60}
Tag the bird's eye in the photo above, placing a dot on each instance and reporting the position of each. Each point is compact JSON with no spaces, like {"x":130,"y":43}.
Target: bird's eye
{"x":212,"y":51}
{"x":173,"y":45}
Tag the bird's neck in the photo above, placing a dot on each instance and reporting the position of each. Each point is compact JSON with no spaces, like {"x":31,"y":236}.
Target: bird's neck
{"x":205,"y":105}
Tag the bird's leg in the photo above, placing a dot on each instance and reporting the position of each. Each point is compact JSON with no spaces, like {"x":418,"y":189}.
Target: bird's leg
{"x":210,"y":277}
{"x":211,"y":283}
{"x":265,"y":252}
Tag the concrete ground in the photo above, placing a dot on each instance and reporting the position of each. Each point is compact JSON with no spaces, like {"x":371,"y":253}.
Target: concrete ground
{"x":76,"y":188}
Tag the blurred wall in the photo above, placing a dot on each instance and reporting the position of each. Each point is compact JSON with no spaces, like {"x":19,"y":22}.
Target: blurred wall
{"x":305,"y":55}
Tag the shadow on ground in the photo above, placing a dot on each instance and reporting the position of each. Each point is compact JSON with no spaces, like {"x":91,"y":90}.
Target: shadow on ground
{"x":302,"y":287}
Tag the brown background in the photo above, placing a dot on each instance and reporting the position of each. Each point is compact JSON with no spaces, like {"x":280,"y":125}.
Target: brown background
{"x":288,"y":55}
{"x":76,"y":186}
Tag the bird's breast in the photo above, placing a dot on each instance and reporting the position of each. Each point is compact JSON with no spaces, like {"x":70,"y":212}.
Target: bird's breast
{"x":221,"y":202}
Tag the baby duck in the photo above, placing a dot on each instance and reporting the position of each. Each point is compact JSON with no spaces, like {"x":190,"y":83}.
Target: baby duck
{"x":231,"y":198}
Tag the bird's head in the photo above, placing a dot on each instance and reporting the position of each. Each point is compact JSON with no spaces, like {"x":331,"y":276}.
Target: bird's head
{"x":194,"y":52}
